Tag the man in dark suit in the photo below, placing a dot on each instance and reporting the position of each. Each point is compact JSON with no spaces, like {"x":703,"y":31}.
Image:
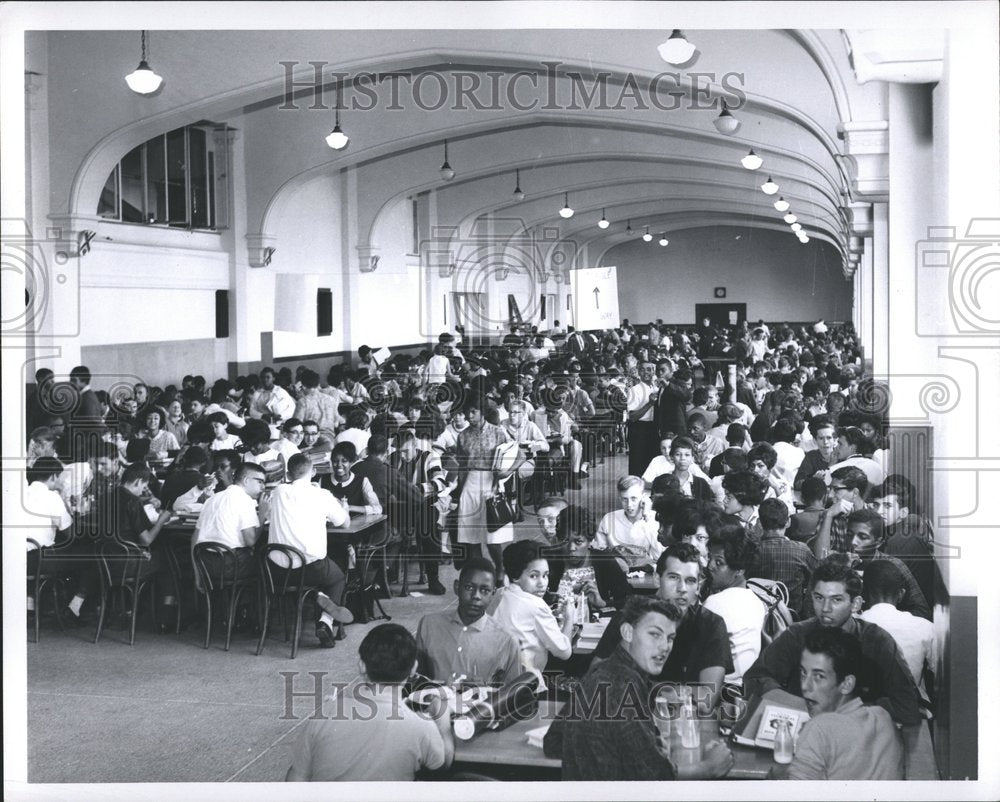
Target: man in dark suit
{"x":576,"y":344}
{"x":84,"y":423}
{"x":671,"y":405}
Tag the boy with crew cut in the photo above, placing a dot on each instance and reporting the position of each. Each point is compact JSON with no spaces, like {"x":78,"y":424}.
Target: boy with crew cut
{"x":867,"y":534}
{"x":371,"y":734}
{"x":607,"y":731}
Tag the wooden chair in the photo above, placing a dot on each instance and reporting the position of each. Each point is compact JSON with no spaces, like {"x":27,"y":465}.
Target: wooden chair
{"x":122,"y":580}
{"x":223,"y":580}
{"x":281,"y":588}
{"x":38,"y":580}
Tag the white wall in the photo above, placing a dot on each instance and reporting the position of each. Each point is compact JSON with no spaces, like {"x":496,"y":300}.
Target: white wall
{"x":776,"y":276}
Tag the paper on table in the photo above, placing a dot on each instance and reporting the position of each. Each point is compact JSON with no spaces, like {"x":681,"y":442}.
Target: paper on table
{"x":537,"y":736}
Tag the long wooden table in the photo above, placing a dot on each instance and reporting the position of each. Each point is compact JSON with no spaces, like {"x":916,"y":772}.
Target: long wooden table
{"x":505,"y":752}
{"x":359,"y":528}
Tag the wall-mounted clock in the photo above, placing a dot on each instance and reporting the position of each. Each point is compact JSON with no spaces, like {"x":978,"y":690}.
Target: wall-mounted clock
{"x":720,"y":292}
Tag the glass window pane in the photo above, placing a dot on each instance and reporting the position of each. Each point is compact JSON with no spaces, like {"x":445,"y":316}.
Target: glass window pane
{"x":156,"y":180}
{"x":199,"y":178}
{"x":176,"y":183}
{"x":133,"y":187}
{"x":107,"y":205}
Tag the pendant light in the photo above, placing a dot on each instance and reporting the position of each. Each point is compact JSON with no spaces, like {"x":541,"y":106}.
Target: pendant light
{"x":603,"y":222}
{"x":677,"y":49}
{"x":566,"y":212}
{"x":796,"y":226}
{"x":790,"y":218}
{"x":647,"y":237}
{"x":337,"y":139}
{"x":726,"y":123}
{"x":447,"y":173}
{"x":781,"y":205}
{"x":628,"y":228}
{"x":769,"y":187}
{"x":663,"y":240}
{"x":518,"y":194}
{"x":143,"y":81}
{"x":752,"y":161}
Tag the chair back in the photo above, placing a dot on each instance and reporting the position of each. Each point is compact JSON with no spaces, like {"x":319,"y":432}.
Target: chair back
{"x":225,"y":565}
{"x":121,"y":562}
{"x":291,"y":579}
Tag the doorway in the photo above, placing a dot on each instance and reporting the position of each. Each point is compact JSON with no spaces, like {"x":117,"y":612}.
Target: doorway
{"x":720,"y":314}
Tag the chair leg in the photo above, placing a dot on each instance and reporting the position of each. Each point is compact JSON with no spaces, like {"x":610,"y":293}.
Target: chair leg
{"x":136,"y":592}
{"x":299,"y":609}
{"x":100,"y":614}
{"x":39,"y":586}
{"x":234,"y":600}
{"x":208,"y":618}
{"x":265,"y":606}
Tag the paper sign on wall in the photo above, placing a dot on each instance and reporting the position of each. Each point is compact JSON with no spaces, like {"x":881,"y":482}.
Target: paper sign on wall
{"x":595,"y":296}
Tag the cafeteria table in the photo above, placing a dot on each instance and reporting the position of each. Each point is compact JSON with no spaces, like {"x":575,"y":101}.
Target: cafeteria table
{"x":507,"y":755}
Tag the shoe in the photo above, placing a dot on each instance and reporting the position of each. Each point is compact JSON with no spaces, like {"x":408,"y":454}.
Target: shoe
{"x":339,"y":614}
{"x":325,"y":635}
{"x":341,"y":635}
{"x":435,"y":588}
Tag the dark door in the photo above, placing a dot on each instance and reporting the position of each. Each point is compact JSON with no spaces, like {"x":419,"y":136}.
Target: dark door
{"x":720,"y":314}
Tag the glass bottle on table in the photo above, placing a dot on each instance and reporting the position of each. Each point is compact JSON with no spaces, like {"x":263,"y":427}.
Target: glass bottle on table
{"x":689,"y":724}
{"x":783,"y":746}
{"x":662,"y":718}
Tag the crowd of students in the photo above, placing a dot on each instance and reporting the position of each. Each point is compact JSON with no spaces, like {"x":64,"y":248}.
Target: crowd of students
{"x":780,"y":479}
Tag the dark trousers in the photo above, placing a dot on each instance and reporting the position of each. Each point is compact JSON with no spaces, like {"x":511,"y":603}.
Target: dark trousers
{"x":245,"y":566}
{"x":643,"y":445}
{"x":77,"y":561}
{"x":324,"y":574}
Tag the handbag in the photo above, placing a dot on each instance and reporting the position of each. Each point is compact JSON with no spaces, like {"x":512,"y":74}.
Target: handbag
{"x":499,"y":512}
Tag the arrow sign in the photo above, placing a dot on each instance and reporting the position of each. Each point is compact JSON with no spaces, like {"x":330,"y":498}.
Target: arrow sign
{"x":597,"y":297}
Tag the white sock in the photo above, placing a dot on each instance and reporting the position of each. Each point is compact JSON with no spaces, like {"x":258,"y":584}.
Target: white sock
{"x":325,"y":618}
{"x":75,"y":604}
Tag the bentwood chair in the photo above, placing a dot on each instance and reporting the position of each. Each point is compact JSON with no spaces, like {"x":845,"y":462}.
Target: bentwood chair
{"x":123,"y":583}
{"x":283,"y":586}
{"x":218,"y":575}
{"x":41,"y":577}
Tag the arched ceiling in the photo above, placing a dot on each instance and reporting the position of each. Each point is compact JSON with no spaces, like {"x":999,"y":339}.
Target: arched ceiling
{"x":593,"y":113}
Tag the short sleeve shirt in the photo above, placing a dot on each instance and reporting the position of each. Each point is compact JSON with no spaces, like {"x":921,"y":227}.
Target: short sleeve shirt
{"x":225,"y":516}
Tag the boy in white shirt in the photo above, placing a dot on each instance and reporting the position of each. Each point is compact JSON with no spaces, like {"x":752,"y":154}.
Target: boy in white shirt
{"x":631,"y":532}
{"x":51,"y":521}
{"x":738,"y":606}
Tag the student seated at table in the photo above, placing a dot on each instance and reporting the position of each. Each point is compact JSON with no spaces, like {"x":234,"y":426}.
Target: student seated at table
{"x":783,"y":560}
{"x":52,"y":528}
{"x":729,"y":552}
{"x":185,"y":490}
{"x":160,"y":440}
{"x":803,"y":526}
{"x":909,"y":536}
{"x":662,"y":464}
{"x":235,"y":519}
{"x":867,"y":533}
{"x":883,"y":588}
{"x":523,"y":612}
{"x":630,"y":534}
{"x":356,"y":491}
{"x":580,"y":568}
{"x":300,"y":512}
{"x":607,"y":731}
{"x":684,"y":478}
{"x":701,"y":654}
{"x":223,"y":439}
{"x":844,"y":738}
{"x":133,"y":525}
{"x":464,"y":639}
{"x":836,"y":597}
{"x":744,"y":492}
{"x":369,"y":733}
{"x":314,"y":443}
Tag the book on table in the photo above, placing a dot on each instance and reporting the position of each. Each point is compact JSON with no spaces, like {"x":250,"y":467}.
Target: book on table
{"x":759,"y":723}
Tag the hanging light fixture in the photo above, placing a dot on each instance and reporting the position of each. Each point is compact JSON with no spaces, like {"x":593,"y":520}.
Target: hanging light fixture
{"x":726,"y":123}
{"x":781,"y":205}
{"x":628,"y":228}
{"x":447,"y":173}
{"x":677,"y":49}
{"x":769,"y":187}
{"x":790,"y":218}
{"x":647,"y":237}
{"x":143,"y":80}
{"x":796,"y":226}
{"x":804,"y":238}
{"x":518,"y":194}
{"x":603,"y":222}
{"x":566,"y":212}
{"x":663,"y":240}
{"x":337,"y":139}
{"x":751,"y":161}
